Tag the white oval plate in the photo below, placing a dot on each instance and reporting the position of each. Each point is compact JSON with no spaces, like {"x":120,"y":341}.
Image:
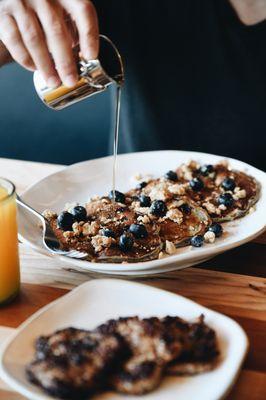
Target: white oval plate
{"x":97,"y":301}
{"x":80,"y":181}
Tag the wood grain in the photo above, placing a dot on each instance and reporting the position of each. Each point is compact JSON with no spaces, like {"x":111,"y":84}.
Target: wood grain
{"x":30,"y":299}
{"x":249,"y":386}
{"x":24,"y":173}
{"x":8,"y":395}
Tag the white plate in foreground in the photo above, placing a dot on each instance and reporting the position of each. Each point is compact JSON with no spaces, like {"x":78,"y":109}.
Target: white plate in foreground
{"x":80,"y":181}
{"x":96,"y":301}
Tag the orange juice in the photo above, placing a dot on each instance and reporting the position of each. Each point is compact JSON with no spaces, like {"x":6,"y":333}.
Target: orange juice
{"x":9,"y":258}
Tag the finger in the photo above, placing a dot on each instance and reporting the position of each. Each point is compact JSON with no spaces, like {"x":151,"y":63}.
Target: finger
{"x":35,"y":42}
{"x":85,"y":17}
{"x":72,"y":29}
{"x":5,"y":56}
{"x":59,"y":42}
{"x":10,"y":36}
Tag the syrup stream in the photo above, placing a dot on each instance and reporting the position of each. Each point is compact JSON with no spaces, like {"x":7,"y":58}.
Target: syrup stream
{"x":116,"y":133}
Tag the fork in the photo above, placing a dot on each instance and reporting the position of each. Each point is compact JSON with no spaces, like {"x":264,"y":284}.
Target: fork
{"x":50,"y":241}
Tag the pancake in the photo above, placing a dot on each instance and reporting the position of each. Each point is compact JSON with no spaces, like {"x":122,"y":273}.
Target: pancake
{"x":129,"y":355}
{"x":183,"y":219}
{"x":90,"y":235}
{"x":72,"y":363}
{"x":106,"y":222}
{"x":200,"y":350}
{"x":150,"y":348}
{"x":239,"y":193}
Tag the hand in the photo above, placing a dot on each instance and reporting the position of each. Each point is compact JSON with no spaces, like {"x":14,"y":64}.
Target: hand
{"x":5,"y":57}
{"x":37,"y":36}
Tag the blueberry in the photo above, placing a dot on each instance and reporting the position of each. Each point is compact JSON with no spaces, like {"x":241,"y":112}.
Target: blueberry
{"x":171,"y":175}
{"x":65,"y":220}
{"x":217,"y":229}
{"x":185,"y":208}
{"x":119,"y":197}
{"x":158,"y":208}
{"x":138,"y":230}
{"x":197,"y":241}
{"x":108,"y":233}
{"x":226,"y":199}
{"x":126,"y":242}
{"x":79,"y":213}
{"x":206,"y":169}
{"x":145,"y":201}
{"x":196,"y":184}
{"x":228,"y":184}
{"x":141,"y":185}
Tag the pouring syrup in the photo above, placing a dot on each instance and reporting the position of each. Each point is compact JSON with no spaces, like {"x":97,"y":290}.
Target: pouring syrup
{"x":116,"y":136}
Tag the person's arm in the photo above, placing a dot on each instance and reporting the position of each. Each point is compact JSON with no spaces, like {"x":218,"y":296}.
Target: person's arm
{"x":250,"y":12}
{"x":5,"y":56}
{"x":36,"y":34}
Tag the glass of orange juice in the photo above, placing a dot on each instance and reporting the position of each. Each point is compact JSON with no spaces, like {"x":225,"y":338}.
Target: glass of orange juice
{"x":9,"y":257}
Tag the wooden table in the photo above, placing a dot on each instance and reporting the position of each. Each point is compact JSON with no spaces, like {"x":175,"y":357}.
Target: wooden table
{"x":233,"y":283}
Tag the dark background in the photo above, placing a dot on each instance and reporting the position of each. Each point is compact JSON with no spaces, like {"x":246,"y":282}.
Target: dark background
{"x":31,"y":131}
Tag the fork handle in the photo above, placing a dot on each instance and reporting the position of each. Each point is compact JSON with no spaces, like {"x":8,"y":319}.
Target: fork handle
{"x":29,"y":208}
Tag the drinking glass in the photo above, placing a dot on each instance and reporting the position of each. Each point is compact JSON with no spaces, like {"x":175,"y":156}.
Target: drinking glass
{"x":9,"y":256}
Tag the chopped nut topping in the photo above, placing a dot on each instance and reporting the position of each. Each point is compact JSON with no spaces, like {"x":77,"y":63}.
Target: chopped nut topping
{"x":78,"y":228}
{"x":185,"y":172}
{"x":140,"y":177}
{"x":224,"y":163}
{"x":104,"y":220}
{"x":90,"y":229}
{"x":94,"y":198}
{"x":161,"y":255}
{"x":209,"y":237}
{"x":222,"y":207}
{"x":159,"y":191}
{"x":170,"y":247}
{"x":68,"y":235}
{"x":178,"y":189}
{"x":194,"y":165}
{"x":219,"y":179}
{"x":100,"y":242}
{"x":137,"y":176}
{"x":144,"y":219}
{"x":105,"y":201}
{"x":142,"y":210}
{"x":239,"y":194}
{"x":175,"y":215}
{"x":211,"y":208}
{"x":175,"y":204}
{"x":48,"y":214}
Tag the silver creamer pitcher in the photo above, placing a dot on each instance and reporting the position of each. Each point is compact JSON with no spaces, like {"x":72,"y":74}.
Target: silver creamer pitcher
{"x":94,"y":77}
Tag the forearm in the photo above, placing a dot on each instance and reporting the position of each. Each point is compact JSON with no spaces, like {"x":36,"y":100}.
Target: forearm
{"x":250,"y":12}
{"x":4,"y":55}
